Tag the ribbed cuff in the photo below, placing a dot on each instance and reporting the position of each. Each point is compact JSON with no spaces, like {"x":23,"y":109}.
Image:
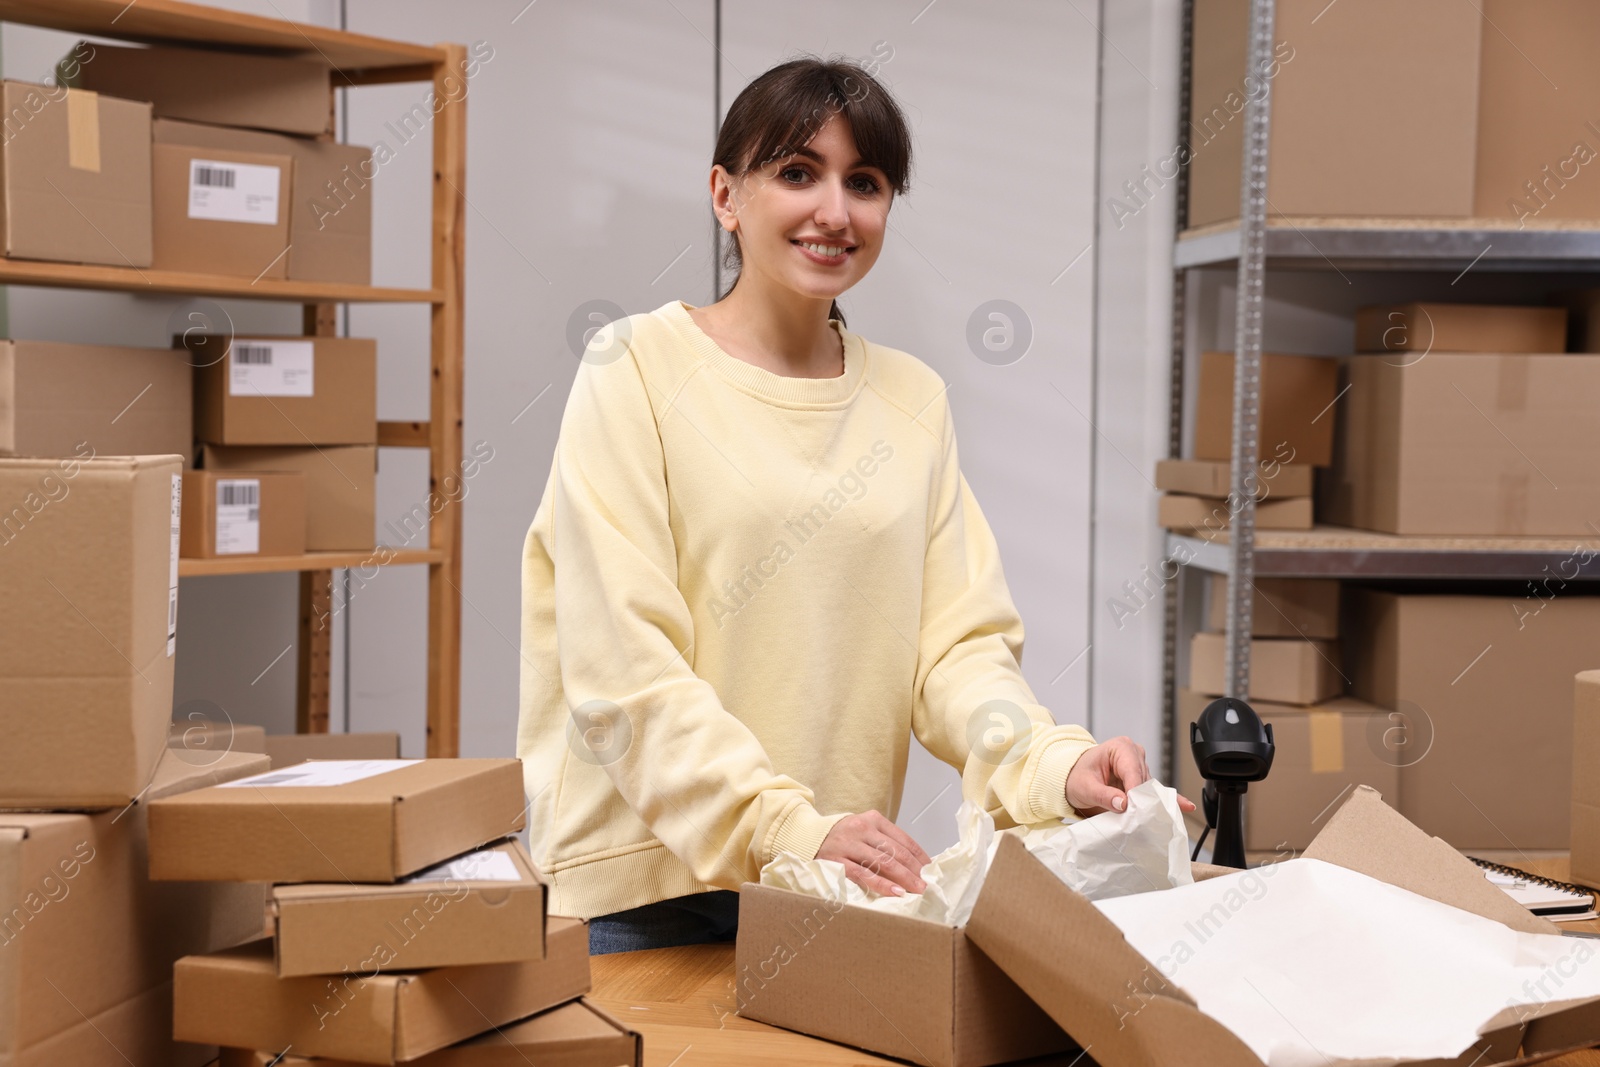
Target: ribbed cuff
{"x":1047,"y":793}
{"x":802,"y":832}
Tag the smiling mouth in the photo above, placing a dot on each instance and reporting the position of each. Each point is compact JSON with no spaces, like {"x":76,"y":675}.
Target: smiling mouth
{"x":814,"y":247}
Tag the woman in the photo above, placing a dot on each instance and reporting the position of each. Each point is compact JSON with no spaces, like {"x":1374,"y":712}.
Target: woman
{"x":756,"y":570}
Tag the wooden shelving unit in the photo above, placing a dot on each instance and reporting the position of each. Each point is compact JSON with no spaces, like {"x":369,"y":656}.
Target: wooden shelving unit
{"x":357,"y":60}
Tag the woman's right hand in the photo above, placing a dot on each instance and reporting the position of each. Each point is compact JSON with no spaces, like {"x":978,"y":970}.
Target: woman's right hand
{"x":876,"y":854}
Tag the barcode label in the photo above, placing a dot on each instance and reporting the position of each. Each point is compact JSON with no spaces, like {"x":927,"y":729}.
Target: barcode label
{"x":271,"y":368}
{"x":217,"y":177}
{"x":172,"y":566}
{"x":234,"y":192}
{"x":257,"y":354}
{"x":238,"y":516}
{"x":240,"y":492}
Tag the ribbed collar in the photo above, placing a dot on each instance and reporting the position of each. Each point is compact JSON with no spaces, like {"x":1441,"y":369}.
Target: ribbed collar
{"x":762,"y":383}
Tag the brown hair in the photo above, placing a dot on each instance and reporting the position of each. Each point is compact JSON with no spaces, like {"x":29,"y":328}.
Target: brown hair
{"x":785,"y":107}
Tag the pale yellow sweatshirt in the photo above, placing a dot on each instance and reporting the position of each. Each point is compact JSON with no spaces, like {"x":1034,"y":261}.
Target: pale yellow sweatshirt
{"x":742,"y":594}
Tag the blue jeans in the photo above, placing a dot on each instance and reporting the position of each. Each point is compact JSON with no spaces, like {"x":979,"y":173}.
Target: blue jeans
{"x":690,"y":920}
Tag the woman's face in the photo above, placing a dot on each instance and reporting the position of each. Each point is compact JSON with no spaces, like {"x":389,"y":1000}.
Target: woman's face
{"x":820,"y":196}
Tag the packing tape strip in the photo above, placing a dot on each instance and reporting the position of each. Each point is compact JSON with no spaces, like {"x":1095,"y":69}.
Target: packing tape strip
{"x":1327,"y":742}
{"x":1511,"y":387}
{"x":83,"y":130}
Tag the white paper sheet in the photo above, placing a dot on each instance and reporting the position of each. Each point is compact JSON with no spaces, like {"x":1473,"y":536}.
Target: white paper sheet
{"x":484,"y":865}
{"x":321,"y":772}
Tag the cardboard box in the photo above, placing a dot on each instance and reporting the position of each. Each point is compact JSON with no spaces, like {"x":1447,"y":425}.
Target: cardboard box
{"x":1585,"y":788}
{"x":1281,"y":607}
{"x":1338,"y":146}
{"x":286,"y":750}
{"x":1468,"y":444}
{"x":1177,"y":512}
{"x":259,"y":390}
{"x":230,"y":88}
{"x":220,"y":212}
{"x":384,"y":819}
{"x":198,"y":740}
{"x":235,"y":998}
{"x":1321,"y":753}
{"x":1285,"y":670}
{"x":87,"y":941}
{"x":341,"y":487}
{"x":482,"y":907}
{"x":576,"y":1034}
{"x":891,"y":984}
{"x":330,"y":200}
{"x":114,"y":401}
{"x":75,"y":171}
{"x":1213,"y":478}
{"x":1296,"y":424}
{"x":259,"y":514}
{"x":1423,"y":328}
{"x":1483,"y":690}
{"x":89,"y":548}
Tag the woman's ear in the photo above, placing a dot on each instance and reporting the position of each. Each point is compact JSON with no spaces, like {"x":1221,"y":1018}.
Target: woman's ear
{"x":725,"y":198}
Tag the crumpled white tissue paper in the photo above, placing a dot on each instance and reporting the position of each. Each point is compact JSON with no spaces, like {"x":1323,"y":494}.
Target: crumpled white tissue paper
{"x":1108,"y":855}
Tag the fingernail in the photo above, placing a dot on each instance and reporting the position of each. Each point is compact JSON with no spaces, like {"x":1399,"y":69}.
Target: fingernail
{"x":899,"y":890}
{"x":1118,"y":803}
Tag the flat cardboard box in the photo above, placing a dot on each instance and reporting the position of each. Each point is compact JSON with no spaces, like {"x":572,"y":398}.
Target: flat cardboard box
{"x":1206,"y":514}
{"x":1284,"y":670}
{"x":198,"y":739}
{"x":1213,"y":478}
{"x":576,"y":1034}
{"x":91,"y":548}
{"x":1468,"y":444}
{"x":1320,"y":753}
{"x":1421,"y":328}
{"x":276,"y":390}
{"x":386,"y":820}
{"x":217,"y":211}
{"x":229,"y":88}
{"x":1337,"y":74}
{"x":262,"y":513}
{"x":445,"y":921}
{"x":1482,"y":688}
{"x":891,"y":984}
{"x":1585,"y":788}
{"x":235,"y":999}
{"x":109,"y":400}
{"x":1281,"y":607}
{"x":330,"y":212}
{"x":1074,"y":961}
{"x":341,"y":487}
{"x":75,"y":171}
{"x":87,"y":941}
{"x":286,"y":750}
{"x":1296,"y":423}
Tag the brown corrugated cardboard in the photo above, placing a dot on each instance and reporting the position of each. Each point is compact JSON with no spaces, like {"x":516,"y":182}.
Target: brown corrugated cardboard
{"x":1467,"y":444}
{"x":198,"y":739}
{"x":87,"y":941}
{"x":115,"y":401}
{"x":1423,"y":328}
{"x":1585,"y":786}
{"x":386,"y":820}
{"x":285,"y":750}
{"x":1281,"y":607}
{"x":216,"y":211}
{"x":330,"y":208}
{"x":89,"y":550}
{"x":1286,"y":670}
{"x":443,"y":919}
{"x":576,"y":1034}
{"x":921,"y":991}
{"x":1483,"y":688}
{"x":341,"y":486}
{"x":236,"y":999}
{"x":75,"y":170}
{"x":275,"y":390}
{"x":1296,"y":394}
{"x":1209,"y":515}
{"x":262,"y":513}
{"x":1212,"y":477}
{"x":228,"y":88}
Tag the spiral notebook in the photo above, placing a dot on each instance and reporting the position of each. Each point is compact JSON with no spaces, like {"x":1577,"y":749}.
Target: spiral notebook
{"x":1558,"y":901}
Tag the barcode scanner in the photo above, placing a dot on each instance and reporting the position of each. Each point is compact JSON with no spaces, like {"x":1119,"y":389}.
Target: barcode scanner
{"x":1232,"y":747}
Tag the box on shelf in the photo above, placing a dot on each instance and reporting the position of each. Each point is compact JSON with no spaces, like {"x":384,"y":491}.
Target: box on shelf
{"x":220,"y":212}
{"x":1427,"y":327}
{"x":330,"y":202}
{"x":1473,"y":444}
{"x":1284,"y":670}
{"x":337,"y":820}
{"x":87,"y":941}
{"x":1296,"y":425}
{"x":91,"y":557}
{"x":235,"y":998}
{"x":110,"y":400}
{"x":1281,"y":607}
{"x":1585,"y":789}
{"x":259,"y":514}
{"x":1207,"y":514}
{"x":256,"y":390}
{"x":230,"y":88}
{"x":286,"y":750}
{"x":341,"y":487}
{"x":1482,"y":687}
{"x":75,"y":170}
{"x":1213,"y":478}
{"x":198,"y":739}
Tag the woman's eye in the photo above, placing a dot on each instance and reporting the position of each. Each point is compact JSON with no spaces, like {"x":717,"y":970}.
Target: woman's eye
{"x":868,"y":185}
{"x":786,"y":171}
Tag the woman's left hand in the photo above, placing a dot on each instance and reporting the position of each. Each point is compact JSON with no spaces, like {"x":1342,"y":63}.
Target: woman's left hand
{"x":1101,"y":778}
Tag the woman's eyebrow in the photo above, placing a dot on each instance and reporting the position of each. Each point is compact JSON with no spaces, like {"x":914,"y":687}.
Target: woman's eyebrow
{"x":810,"y":154}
